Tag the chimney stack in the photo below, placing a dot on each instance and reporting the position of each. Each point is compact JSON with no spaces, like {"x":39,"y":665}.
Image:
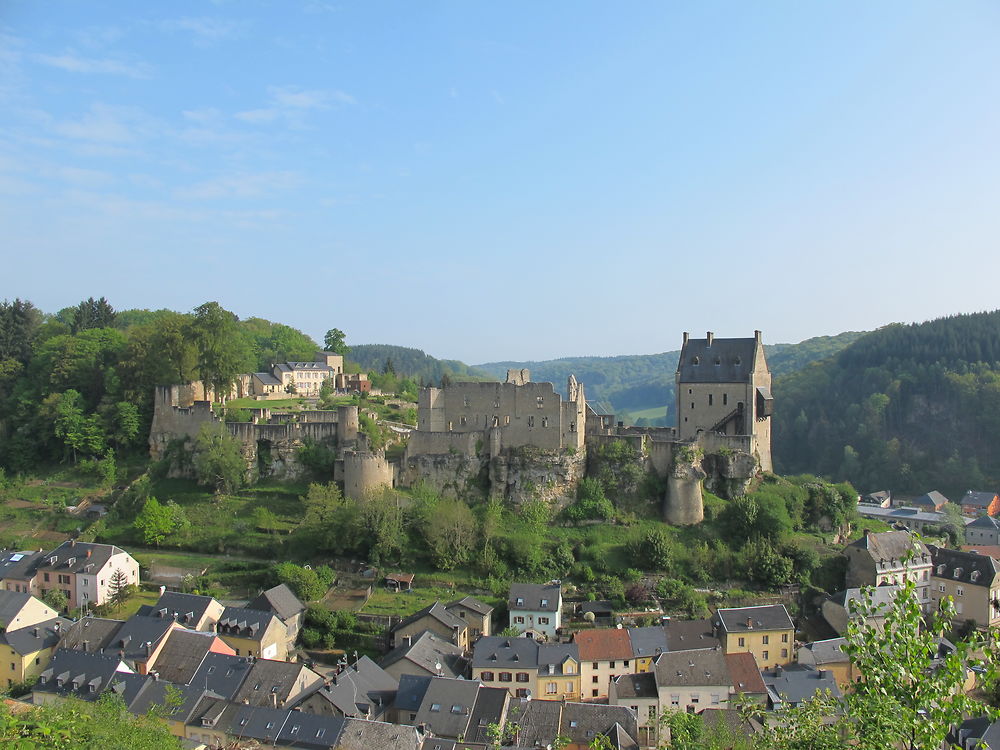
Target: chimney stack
{"x":685,"y":337}
{"x":756,"y":336}
{"x":710,"y":337}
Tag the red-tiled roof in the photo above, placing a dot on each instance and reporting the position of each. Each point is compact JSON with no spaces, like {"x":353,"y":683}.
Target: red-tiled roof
{"x":745,"y":674}
{"x":604,"y":644}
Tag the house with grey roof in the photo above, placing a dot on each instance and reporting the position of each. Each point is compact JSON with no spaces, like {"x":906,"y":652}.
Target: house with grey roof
{"x":797,"y":683}
{"x":90,"y":634}
{"x":436,"y":618}
{"x":17,"y":570}
{"x":841,"y":607}
{"x":84,"y":571}
{"x":180,"y":658}
{"x":984,"y":532}
{"x":979,"y":733}
{"x":139,"y":640}
{"x":428,"y":654}
{"x":536,"y":608}
{"x":286,"y":606}
{"x":362,"y":690}
{"x":539,"y":723}
{"x":253,"y":632}
{"x":449,"y":708}
{"x":976,"y":503}
{"x":527,"y":668}
{"x":930,"y":501}
{"x":76,"y":674}
{"x":889,"y":557}
{"x":684,"y":635}
{"x":277,"y":684}
{"x":971,"y":581}
{"x":29,"y":650}
{"x":477,"y":614}
{"x":190,"y":610}
{"x":223,"y":674}
{"x":20,"y":609}
{"x":829,"y":654}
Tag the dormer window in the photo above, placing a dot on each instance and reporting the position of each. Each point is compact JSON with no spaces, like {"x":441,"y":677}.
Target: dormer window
{"x":718,"y":361}
{"x":435,"y":707}
{"x":737,"y":361}
{"x":520,"y":602}
{"x":940,"y":570}
{"x":958,"y":572}
{"x":696,"y":360}
{"x":974,"y":576}
{"x":545,"y":602}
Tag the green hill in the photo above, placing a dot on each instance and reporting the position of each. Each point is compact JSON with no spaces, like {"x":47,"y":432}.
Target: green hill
{"x":413,"y":363}
{"x":907,"y":407}
{"x":641,"y":386}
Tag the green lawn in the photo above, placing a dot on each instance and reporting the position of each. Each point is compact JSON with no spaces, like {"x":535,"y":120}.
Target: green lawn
{"x":652,"y":412}
{"x":383,"y":602}
{"x":252,"y":403}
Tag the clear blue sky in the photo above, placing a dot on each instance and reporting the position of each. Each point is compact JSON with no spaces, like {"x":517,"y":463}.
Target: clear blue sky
{"x":506,"y":180}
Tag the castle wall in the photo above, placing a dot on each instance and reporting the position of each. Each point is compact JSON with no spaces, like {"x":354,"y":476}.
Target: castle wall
{"x":445,"y":443}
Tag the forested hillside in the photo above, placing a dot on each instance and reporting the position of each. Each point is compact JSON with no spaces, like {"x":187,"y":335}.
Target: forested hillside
{"x":907,"y":407}
{"x":77,"y":385}
{"x":413,"y":363}
{"x":645,"y":382}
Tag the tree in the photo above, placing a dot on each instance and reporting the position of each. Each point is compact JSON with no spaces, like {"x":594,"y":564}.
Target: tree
{"x":84,"y":725}
{"x":56,"y":599}
{"x":330,"y":522}
{"x":450,"y":531}
{"x":119,"y":589}
{"x":218,"y":461}
{"x":156,"y":521}
{"x":223,"y":352}
{"x":656,"y":550}
{"x":912,"y":692}
{"x":307,"y":583}
{"x":124,"y":424}
{"x":92,"y":313}
{"x":19,"y":324}
{"x":333,"y":341}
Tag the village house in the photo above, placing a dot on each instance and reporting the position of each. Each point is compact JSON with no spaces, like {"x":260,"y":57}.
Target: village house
{"x":829,"y":654}
{"x":17,"y":571}
{"x":647,"y":643}
{"x":362,"y":690}
{"x":252,"y":632}
{"x":300,"y":378}
{"x":427,"y":655}
{"x":19,"y":610}
{"x":436,"y":618}
{"x":190,"y":610}
{"x":183,"y":653}
{"x":797,"y":683}
{"x":524,"y":667}
{"x":540,"y":724}
{"x":684,"y":635}
{"x":980,"y":503}
{"x":983,"y":532}
{"x":286,"y":607}
{"x":931,"y":501}
{"x":451,"y":709}
{"x":890,"y":557}
{"x":971,"y":580}
{"x":765,"y":631}
{"x":83,"y":571}
{"x":25,"y":652}
{"x":605,"y":653}
{"x":536,"y":608}
{"x":839,"y":609}
{"x":478,"y":615}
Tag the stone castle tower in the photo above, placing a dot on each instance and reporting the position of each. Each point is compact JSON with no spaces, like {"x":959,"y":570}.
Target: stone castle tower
{"x":724,"y":394}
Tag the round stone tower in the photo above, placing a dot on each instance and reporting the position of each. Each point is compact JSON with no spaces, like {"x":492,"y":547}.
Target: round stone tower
{"x":684,"y":505}
{"x":347,"y":424}
{"x":365,"y":471}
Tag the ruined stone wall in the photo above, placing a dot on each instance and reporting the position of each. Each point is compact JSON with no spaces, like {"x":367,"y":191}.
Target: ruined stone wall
{"x":364,"y":472}
{"x":520,"y":476}
{"x":177,"y":415}
{"x":525,"y":413}
{"x":445,"y":443}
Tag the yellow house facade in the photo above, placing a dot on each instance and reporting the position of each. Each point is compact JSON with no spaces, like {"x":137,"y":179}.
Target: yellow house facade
{"x":765,"y":631}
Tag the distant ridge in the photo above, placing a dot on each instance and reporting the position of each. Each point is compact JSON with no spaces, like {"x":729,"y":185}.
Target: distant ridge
{"x":645,"y":382}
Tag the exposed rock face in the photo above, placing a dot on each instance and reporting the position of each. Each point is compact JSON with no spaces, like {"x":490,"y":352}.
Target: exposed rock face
{"x":548,"y":476}
{"x":730,"y":474}
{"x":515,"y":475}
